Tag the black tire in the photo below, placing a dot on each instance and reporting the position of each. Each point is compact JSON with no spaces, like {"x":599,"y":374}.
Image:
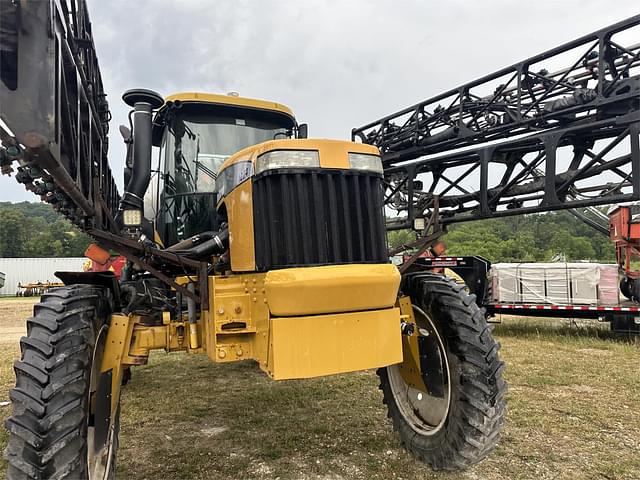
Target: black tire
{"x":50,"y":430}
{"x":472,"y":406}
{"x":630,"y":288}
{"x":626,"y":288}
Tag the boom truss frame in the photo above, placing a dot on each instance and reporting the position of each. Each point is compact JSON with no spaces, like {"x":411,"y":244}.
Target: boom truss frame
{"x":504,"y":134}
{"x":55,"y":111}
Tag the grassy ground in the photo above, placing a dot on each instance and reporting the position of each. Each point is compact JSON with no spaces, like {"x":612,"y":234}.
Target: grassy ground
{"x":573,"y":413}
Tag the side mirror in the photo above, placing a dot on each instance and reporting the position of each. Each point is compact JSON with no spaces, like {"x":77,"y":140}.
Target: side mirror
{"x":303,"y":130}
{"x":125,"y":132}
{"x":417,"y":185}
{"x":128,"y":162}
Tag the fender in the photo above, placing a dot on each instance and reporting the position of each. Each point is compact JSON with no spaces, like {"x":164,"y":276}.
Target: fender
{"x":103,"y":279}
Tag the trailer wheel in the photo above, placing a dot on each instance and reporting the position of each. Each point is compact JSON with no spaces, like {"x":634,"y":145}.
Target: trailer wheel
{"x":62,"y":426}
{"x":458,"y":422}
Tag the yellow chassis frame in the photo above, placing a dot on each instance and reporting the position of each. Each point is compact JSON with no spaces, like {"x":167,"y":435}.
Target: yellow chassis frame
{"x":238,"y":325}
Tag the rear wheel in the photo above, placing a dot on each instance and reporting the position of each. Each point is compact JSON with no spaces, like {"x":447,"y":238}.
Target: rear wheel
{"x":455,"y":420}
{"x":62,"y":424}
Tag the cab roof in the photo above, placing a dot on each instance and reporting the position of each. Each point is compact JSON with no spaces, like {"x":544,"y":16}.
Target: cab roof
{"x":197,"y":101}
{"x":231,"y":100}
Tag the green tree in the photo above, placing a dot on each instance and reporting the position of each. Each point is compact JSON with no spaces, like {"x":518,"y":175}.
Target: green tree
{"x":400,"y":237}
{"x":573,"y":247}
{"x":536,"y":237}
{"x":36,"y":230}
{"x":13,"y":233}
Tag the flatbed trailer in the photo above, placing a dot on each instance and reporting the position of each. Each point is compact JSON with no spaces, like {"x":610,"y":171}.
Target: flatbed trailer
{"x":623,"y":317}
{"x":627,"y":308}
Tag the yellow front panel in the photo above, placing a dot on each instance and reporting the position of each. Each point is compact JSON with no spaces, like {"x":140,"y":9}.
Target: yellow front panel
{"x":304,"y":347}
{"x":331,"y":289}
{"x":240,"y":212}
{"x":333,"y":153}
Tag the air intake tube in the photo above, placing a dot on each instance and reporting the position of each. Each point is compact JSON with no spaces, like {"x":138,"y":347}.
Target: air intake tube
{"x":143,"y":103}
{"x":208,"y":244}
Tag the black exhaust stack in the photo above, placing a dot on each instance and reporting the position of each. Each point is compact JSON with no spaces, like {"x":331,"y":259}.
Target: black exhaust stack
{"x":143,"y":103}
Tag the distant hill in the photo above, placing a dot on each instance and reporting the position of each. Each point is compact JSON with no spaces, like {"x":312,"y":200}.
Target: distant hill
{"x":33,"y":209}
{"x":525,"y":238}
{"x":36,"y":230}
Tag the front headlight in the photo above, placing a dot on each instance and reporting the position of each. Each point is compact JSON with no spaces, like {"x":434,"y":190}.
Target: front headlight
{"x":287,"y":159}
{"x":364,"y":161}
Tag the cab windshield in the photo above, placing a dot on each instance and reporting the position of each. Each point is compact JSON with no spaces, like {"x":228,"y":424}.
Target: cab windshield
{"x":193,"y":149}
{"x":197,"y":146}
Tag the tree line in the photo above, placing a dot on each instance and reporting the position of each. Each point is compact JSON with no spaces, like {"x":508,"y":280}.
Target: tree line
{"x":37,"y":230}
{"x":524,"y":238}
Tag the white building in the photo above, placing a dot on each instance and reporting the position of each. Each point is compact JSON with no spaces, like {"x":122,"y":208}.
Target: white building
{"x":33,"y":270}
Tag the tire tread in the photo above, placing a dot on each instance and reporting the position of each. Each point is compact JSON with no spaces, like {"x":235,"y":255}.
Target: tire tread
{"x":473,"y":427}
{"x":47,"y":428}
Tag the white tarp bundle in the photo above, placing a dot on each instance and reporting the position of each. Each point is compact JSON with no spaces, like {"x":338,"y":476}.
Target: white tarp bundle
{"x":555,"y":283}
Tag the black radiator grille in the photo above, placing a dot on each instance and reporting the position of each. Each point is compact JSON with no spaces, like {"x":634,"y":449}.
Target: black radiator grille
{"x":322,"y":217}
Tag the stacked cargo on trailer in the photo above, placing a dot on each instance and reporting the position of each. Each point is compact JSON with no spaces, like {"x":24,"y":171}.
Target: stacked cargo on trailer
{"x":496,"y":289}
{"x":562,"y":290}
{"x":555,"y":283}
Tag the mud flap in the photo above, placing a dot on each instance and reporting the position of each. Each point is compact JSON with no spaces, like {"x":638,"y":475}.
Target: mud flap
{"x":101,"y":414}
{"x":431,"y":365}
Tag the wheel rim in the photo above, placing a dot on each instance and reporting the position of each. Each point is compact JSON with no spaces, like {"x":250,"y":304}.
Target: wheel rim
{"x":99,"y":451}
{"x":426,"y":414}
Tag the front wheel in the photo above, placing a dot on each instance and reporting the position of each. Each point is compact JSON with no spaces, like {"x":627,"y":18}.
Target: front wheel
{"x":447,"y":398}
{"x":63,"y":426}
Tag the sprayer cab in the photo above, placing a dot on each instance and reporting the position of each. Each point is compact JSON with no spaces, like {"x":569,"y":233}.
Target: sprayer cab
{"x":195,"y":133}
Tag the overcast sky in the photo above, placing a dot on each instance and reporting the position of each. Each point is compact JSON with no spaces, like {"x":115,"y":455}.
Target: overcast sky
{"x":338,"y":64}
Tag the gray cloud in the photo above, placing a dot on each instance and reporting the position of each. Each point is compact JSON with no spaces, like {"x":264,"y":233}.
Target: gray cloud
{"x":338,"y":64}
